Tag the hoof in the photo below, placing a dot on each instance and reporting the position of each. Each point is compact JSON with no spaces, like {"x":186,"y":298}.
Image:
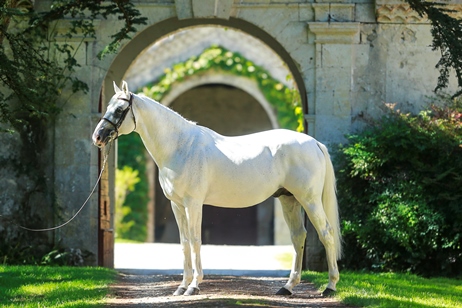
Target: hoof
{"x":328,"y":293}
{"x":191,"y":291}
{"x":179,"y":291}
{"x":283,"y":291}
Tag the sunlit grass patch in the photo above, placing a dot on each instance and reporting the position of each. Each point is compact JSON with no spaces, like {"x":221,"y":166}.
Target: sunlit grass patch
{"x":392,"y":289}
{"x":42,"y":286}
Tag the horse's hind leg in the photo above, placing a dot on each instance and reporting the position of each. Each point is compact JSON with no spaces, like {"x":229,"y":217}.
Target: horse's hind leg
{"x":294,"y":218}
{"x":318,"y":218}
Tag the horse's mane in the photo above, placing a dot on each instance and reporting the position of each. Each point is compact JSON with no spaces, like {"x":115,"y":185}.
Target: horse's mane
{"x":170,"y":110}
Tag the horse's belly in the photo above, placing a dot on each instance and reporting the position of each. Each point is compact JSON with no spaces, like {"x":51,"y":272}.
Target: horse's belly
{"x":240,"y":194}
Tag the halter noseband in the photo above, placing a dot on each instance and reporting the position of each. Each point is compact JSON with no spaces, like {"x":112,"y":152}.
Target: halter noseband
{"x":124,"y":114}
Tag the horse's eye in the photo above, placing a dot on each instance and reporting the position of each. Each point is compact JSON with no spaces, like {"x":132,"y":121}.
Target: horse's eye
{"x":119,"y":110}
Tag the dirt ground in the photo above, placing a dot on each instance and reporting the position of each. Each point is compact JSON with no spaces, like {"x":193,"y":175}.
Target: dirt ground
{"x":216,"y":291}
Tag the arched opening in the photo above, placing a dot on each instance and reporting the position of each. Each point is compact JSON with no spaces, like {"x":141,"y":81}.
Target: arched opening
{"x":152,"y":34}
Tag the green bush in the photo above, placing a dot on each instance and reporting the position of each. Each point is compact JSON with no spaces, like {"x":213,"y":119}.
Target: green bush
{"x":400,"y":191}
{"x":131,"y":222}
{"x":126,"y":179}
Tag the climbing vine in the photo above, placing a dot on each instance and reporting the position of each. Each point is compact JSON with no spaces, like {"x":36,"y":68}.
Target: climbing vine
{"x":285,"y":100}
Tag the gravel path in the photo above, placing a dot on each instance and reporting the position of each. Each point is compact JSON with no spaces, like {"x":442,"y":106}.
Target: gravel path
{"x":216,"y":291}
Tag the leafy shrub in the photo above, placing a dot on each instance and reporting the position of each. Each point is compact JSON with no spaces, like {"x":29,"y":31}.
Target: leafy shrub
{"x":400,"y":191}
{"x":132,"y":224}
{"x":126,"y":179}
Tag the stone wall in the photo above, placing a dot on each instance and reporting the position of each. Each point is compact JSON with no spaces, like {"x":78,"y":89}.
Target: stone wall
{"x":347,"y":58}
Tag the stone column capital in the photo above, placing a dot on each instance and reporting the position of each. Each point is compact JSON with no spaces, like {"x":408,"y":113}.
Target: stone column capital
{"x":335,"y":32}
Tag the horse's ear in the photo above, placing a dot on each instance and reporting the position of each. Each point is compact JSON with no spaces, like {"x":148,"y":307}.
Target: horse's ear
{"x":125,"y":87}
{"x":116,"y":88}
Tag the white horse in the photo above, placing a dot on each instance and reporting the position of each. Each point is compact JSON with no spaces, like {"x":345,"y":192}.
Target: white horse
{"x":197,"y":166}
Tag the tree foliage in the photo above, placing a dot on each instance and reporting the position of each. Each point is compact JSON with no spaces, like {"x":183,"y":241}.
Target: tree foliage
{"x":447,"y":38}
{"x":37,"y":77}
{"x":36,"y":67}
{"x":400,"y":193}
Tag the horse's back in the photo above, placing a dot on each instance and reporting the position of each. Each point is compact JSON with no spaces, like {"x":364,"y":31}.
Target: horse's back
{"x":271,"y":138}
{"x":247,"y":169}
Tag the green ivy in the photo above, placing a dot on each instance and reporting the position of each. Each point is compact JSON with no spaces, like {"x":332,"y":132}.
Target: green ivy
{"x":286,"y":101}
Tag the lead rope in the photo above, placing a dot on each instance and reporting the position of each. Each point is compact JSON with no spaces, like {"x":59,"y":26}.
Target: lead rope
{"x":80,"y":209}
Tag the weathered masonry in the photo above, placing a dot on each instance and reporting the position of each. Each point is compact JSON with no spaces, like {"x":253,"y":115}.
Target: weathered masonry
{"x":346,"y":57}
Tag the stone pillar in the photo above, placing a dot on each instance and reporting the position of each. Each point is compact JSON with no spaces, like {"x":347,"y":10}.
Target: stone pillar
{"x":75,"y":158}
{"x":335,"y":37}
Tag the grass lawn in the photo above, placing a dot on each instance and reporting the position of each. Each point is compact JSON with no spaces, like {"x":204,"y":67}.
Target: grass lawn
{"x":392,"y":290}
{"x":44,"y":286}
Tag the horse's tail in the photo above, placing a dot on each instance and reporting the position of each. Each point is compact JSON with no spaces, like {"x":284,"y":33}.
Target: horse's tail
{"x":329,"y":201}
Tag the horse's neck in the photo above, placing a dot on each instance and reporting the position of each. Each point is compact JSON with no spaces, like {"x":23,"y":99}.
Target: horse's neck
{"x":160,"y":128}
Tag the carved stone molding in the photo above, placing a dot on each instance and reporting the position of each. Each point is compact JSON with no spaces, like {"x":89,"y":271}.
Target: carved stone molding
{"x":402,"y":13}
{"x":335,"y":32}
{"x":398,"y":13}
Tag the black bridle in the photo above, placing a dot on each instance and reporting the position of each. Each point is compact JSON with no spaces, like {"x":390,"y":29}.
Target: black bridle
{"x":124,"y":114}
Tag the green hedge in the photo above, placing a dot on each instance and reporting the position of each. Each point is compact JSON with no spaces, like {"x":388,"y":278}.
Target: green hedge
{"x":400,"y":192}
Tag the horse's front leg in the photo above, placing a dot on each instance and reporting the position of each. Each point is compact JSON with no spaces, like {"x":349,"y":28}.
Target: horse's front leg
{"x":194,"y":218}
{"x":180,"y":216}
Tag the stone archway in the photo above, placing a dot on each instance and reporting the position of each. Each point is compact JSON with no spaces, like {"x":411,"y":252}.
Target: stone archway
{"x":144,"y":39}
{"x":131,"y":50}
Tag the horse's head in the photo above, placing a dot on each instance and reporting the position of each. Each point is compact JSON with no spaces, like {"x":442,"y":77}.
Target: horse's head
{"x":112,"y":124}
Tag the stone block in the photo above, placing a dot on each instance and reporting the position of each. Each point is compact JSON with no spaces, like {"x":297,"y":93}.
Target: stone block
{"x":304,"y":56}
{"x":211,"y":8}
{"x":321,"y":12}
{"x":332,"y":129}
{"x":306,"y":12}
{"x":333,"y":78}
{"x":330,"y":1}
{"x":342,"y":12}
{"x":335,"y":103}
{"x":293,"y":35}
{"x":338,"y":56}
{"x":365,"y":12}
{"x":183,"y":9}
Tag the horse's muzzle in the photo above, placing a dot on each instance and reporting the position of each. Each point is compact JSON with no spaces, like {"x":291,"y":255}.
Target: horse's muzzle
{"x":102,"y":136}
